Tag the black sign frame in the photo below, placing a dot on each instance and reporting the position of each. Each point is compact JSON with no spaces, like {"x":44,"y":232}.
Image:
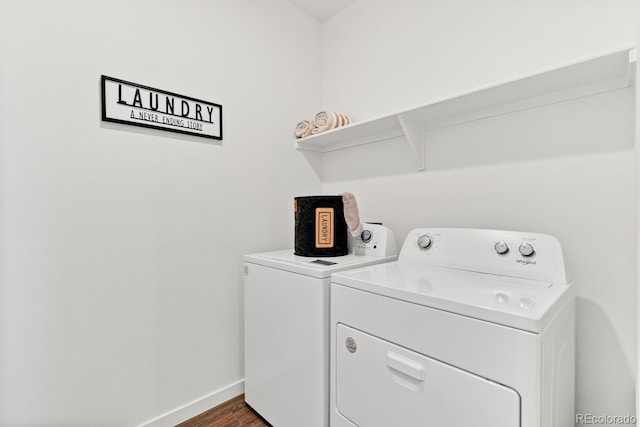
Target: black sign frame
{"x":161,"y":126}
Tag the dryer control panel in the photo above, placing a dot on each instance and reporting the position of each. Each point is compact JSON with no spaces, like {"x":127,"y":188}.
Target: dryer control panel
{"x":375,"y":240}
{"x":524,"y":255}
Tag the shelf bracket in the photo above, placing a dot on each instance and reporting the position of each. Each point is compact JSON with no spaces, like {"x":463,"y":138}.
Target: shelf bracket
{"x":414,"y":135}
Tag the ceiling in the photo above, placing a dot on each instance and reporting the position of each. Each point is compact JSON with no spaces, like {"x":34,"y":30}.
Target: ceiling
{"x":321,"y":10}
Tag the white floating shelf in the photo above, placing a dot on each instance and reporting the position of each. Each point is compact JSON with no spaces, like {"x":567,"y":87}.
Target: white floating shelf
{"x":603,"y":73}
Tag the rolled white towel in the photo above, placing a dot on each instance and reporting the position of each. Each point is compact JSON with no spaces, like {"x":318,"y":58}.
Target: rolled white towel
{"x":344,"y":119}
{"x":304,"y":128}
{"x":325,"y":120}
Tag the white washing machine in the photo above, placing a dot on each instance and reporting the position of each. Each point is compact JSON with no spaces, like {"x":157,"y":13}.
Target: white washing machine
{"x":286,"y":327}
{"x":468,"y":328}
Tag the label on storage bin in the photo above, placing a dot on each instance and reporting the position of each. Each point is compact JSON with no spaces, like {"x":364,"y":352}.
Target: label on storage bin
{"x":324,"y":227}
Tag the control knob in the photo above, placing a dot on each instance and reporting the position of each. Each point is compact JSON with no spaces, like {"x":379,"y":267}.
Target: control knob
{"x":424,"y":241}
{"x":501,"y":247}
{"x":526,"y":249}
{"x":366,"y":236}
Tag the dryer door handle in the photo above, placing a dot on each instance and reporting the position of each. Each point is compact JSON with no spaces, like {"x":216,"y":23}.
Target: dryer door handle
{"x":407,"y":366}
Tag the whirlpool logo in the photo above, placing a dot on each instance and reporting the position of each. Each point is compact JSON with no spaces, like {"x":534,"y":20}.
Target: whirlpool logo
{"x":525,"y":261}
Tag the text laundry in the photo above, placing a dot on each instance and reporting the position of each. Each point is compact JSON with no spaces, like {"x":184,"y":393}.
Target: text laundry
{"x":152,"y":101}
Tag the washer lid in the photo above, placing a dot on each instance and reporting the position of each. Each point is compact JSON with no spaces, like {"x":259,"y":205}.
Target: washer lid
{"x":519,"y":303}
{"x":321,"y":267}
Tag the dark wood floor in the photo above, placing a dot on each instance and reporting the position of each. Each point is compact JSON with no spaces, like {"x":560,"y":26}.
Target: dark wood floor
{"x":233,"y":413}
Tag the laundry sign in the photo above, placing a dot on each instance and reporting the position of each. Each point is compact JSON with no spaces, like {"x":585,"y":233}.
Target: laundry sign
{"x":134,"y":104}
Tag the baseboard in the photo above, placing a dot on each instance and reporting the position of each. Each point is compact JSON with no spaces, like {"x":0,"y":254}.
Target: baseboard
{"x":198,"y":406}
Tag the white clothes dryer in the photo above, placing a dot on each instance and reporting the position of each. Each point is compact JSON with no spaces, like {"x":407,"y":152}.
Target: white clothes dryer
{"x":286,"y":327}
{"x":468,"y":328}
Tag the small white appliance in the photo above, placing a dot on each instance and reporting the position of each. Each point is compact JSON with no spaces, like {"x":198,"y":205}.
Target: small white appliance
{"x":467,"y":328}
{"x":286,"y":327}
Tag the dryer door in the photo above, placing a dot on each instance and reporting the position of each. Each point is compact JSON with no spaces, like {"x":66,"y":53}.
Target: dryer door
{"x":380,"y":384}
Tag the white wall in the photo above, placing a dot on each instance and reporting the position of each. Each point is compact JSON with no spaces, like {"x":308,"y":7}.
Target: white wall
{"x":566,"y":169}
{"x":121,"y":248}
